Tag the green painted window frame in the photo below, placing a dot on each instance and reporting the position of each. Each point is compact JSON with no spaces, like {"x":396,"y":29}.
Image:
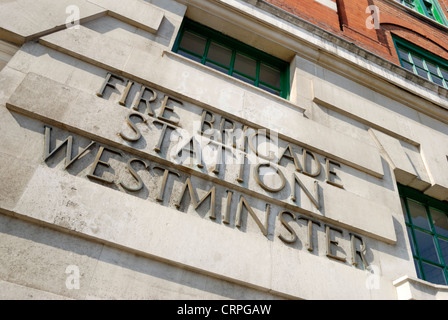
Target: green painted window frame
{"x":238,"y":48}
{"x":422,"y":62}
{"x":423,"y":265}
{"x":428,"y":8}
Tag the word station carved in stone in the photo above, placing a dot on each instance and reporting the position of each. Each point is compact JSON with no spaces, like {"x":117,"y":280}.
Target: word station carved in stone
{"x":242,"y":170}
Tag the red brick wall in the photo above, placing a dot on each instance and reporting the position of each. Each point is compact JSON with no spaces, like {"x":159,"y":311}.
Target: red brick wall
{"x":312,"y":11}
{"x":350,"y":23}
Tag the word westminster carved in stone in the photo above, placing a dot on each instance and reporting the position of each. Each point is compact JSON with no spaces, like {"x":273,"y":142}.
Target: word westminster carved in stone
{"x":171,"y":187}
{"x":224,"y":152}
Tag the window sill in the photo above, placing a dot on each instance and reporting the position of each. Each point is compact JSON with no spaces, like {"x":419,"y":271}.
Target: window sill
{"x":409,"y":288}
{"x":423,"y":82}
{"x":231,"y":79}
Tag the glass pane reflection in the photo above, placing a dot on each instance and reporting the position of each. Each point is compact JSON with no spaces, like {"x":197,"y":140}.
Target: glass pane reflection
{"x":193,"y":43}
{"x":219,"y":54}
{"x":434,"y":274}
{"x":440,"y":220}
{"x":418,"y":215}
{"x":426,"y":246}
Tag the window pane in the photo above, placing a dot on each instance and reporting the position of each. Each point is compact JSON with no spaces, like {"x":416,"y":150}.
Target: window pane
{"x":418,"y":215}
{"x":232,"y":57}
{"x":245,"y":79}
{"x":440,"y":220}
{"x":426,"y":246}
{"x":219,"y":54}
{"x":437,"y":80}
{"x":189,"y":56}
{"x":411,"y":240}
{"x":434,"y":274}
{"x":270,"y":75}
{"x":422,"y":73}
{"x":419,"y":7}
{"x":417,"y":268}
{"x":444,"y":73}
{"x":245,"y":65}
{"x":443,"y":244}
{"x":435,"y":12}
{"x":216,"y":67}
{"x":193,"y":43}
{"x":273,"y":91}
{"x":408,"y":3}
{"x":408,"y":66}
{"x":432,"y":68}
{"x":403,"y":54}
{"x":425,"y":7}
{"x":429,"y":6}
{"x":418,"y":61}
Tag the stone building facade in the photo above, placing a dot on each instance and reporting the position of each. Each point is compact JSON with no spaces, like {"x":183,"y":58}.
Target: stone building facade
{"x":223,"y":149}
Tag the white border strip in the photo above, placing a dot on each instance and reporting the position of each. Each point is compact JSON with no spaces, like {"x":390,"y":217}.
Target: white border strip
{"x":328,"y":3}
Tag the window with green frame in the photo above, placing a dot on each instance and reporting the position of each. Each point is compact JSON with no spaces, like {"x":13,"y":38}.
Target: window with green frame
{"x":429,"y":8}
{"x":233,"y":57}
{"x":427,"y":227}
{"x":422,"y":62}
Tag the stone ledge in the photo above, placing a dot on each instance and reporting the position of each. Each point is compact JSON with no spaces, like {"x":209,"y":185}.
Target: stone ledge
{"x":410,"y":288}
{"x":139,"y":14}
{"x":53,"y":16}
{"x":12,"y":291}
{"x":228,"y":78}
{"x":24,"y":20}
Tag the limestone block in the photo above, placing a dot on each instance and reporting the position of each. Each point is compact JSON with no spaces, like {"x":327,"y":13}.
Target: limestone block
{"x":78,"y":205}
{"x":140,"y":14}
{"x":84,"y":42}
{"x":339,"y":281}
{"x":14,"y":174}
{"x":406,"y":172}
{"x":427,"y":163}
{"x":19,"y":150}
{"x":435,"y":152}
{"x":438,"y":192}
{"x":372,"y":217}
{"x":100,"y":120}
{"x":9,"y":80}
{"x":90,"y":210}
{"x":38,"y":259}
{"x":43,"y":61}
{"x":22,"y":20}
{"x":138,"y":277}
{"x":41,"y":263}
{"x":359,"y":108}
{"x":119,"y":32}
{"x":7,"y":50}
{"x":12,"y":291}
